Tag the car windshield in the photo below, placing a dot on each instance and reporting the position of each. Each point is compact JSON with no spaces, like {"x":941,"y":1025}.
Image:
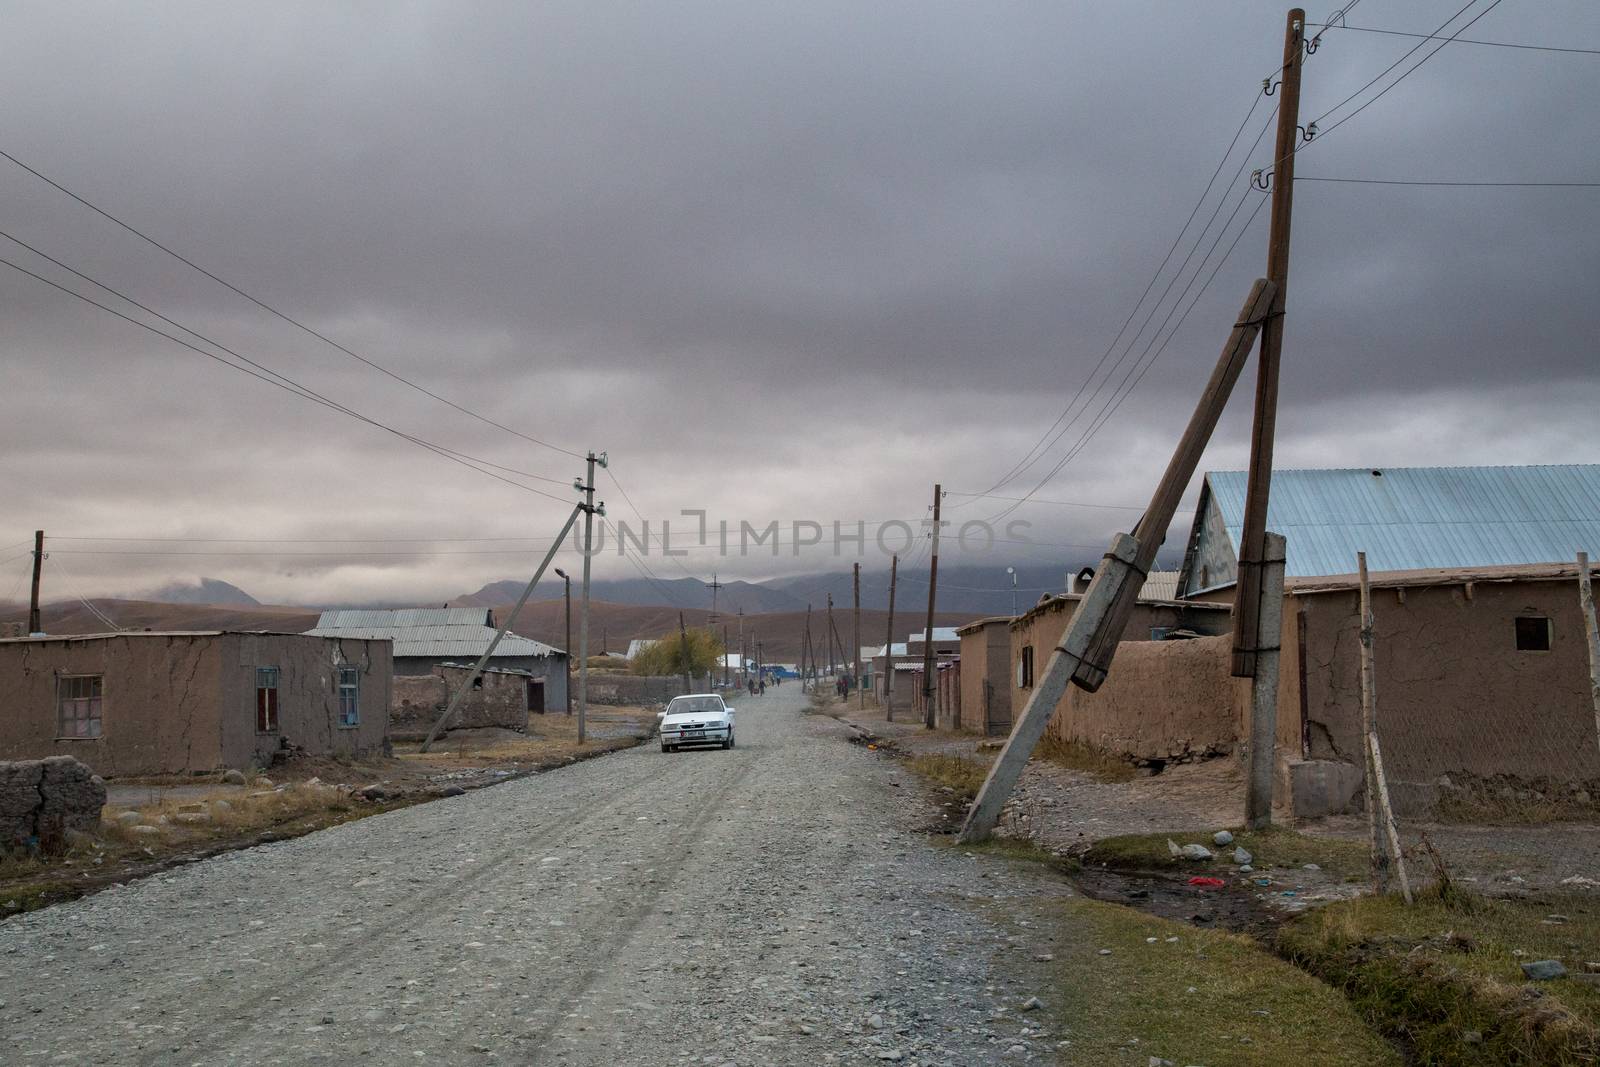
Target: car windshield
{"x":694,"y":705}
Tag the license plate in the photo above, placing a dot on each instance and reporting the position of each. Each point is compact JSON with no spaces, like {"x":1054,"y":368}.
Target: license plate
{"x":690,"y":735}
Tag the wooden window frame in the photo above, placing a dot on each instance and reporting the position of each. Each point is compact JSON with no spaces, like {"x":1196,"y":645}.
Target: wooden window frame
{"x":88,"y":708}
{"x":349,"y":696}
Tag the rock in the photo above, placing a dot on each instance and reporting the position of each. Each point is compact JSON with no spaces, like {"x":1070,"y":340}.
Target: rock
{"x":1172,"y":848}
{"x":1242,"y":857}
{"x":1197,"y":852}
{"x":220,"y":807}
{"x":145,"y":831}
{"x":893,"y":1055}
{"x":875,"y":1021}
{"x":1582,"y":797}
{"x":1105,"y":952}
{"x":373,"y":792}
{"x":451,"y":791}
{"x":1471,"y":1037}
{"x":128,"y":818}
{"x":1587,"y":978}
{"x":232,"y":777}
{"x":1311,"y":867}
{"x":263,"y":783}
{"x":1032,"y":1004}
{"x":191,"y":818}
{"x":1222,"y":837}
{"x":1543,"y":970}
{"x":1444,"y":782}
{"x":1157,"y":1061}
{"x":1245,"y":868}
{"x":1556,"y":920}
{"x":1043,"y":957}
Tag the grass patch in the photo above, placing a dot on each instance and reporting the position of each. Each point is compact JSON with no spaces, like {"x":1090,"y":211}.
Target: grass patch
{"x":961,"y":774}
{"x":1272,"y":847}
{"x":1444,"y":976}
{"x":1080,"y":757}
{"x":1203,"y":997}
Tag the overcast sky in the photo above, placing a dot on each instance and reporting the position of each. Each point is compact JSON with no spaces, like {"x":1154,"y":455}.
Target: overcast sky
{"x":781,"y":261}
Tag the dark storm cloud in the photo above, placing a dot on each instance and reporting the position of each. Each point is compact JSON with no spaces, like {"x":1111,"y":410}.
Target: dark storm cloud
{"x":781,"y":260}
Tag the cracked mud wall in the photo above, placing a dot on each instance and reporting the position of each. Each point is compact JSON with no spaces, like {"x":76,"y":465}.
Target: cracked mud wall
{"x":308,"y":696}
{"x":1455,"y":696}
{"x":159,"y":708}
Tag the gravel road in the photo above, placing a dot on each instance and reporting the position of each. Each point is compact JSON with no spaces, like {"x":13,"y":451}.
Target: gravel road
{"x":773,"y":904}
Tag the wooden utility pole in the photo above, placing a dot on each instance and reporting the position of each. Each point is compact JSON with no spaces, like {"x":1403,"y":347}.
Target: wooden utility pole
{"x":1592,"y":629}
{"x":861,"y":698}
{"x":742,"y":659}
{"x":566,"y":596}
{"x":930,"y":684}
{"x":807,"y":657}
{"x":35,"y":625}
{"x":1252,"y":540}
{"x":1380,"y":813}
{"x":888,"y":642}
{"x":1083,"y":656}
{"x":683,"y":653}
{"x":726,"y":666}
{"x":829,"y":636}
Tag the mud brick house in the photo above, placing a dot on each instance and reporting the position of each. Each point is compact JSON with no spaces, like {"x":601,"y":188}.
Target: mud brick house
{"x":499,"y":697}
{"x":430,"y":644}
{"x":905,"y":658}
{"x":1481,"y":655}
{"x":137,"y":703}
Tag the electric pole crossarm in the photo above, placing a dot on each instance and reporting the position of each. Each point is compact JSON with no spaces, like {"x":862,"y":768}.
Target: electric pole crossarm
{"x":477,"y":668}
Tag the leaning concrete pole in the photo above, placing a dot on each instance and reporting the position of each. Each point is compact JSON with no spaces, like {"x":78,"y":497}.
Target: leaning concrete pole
{"x":1084,"y":655}
{"x":1264,"y":690}
{"x":477,"y":668}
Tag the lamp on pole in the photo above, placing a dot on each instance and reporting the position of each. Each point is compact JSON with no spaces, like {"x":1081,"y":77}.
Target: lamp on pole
{"x":1009,"y":570}
{"x":567,"y":689}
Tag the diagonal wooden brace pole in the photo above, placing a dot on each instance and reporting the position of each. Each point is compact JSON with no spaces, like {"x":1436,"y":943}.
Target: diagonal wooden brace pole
{"x":1084,"y":655}
{"x":477,"y":668}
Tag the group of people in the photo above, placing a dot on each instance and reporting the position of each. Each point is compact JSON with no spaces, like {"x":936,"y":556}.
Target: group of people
{"x":757,"y":683}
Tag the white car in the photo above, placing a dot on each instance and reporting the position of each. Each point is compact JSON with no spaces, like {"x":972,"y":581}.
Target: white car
{"x":696,"y":719}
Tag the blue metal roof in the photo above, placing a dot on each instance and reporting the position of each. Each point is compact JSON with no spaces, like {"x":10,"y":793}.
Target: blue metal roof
{"x":1420,"y":518}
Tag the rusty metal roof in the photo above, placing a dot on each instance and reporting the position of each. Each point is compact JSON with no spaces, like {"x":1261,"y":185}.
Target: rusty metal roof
{"x":1422,"y":518}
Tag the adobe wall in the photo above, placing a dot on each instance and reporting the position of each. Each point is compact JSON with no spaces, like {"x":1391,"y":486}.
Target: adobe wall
{"x":308,"y":698}
{"x":636,"y":689}
{"x":1162,"y":701}
{"x":1455,"y":696}
{"x":159,"y":708}
{"x":986,"y":679}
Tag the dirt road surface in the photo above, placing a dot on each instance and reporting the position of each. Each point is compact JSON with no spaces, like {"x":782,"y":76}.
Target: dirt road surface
{"x":773,"y":904}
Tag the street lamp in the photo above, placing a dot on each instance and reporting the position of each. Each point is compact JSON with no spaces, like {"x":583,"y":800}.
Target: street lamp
{"x":1009,"y":570}
{"x":568,"y":687}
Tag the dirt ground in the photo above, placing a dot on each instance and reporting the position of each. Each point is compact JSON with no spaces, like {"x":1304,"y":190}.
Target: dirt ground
{"x":1066,"y":810}
{"x":154,"y":824}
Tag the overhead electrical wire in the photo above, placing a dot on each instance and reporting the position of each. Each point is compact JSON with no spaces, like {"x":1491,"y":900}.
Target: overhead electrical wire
{"x":1453,"y":184}
{"x":1461,"y":40}
{"x":280,"y":381}
{"x":263,"y":305}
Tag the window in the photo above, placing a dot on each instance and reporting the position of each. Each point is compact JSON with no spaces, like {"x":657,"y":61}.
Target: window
{"x":1533,"y":633}
{"x":349,"y":696}
{"x":266,"y":700}
{"x":1025,"y":668}
{"x":78,"y":705}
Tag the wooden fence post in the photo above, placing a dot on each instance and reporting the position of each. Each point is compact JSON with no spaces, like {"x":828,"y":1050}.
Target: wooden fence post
{"x":1380,"y":814}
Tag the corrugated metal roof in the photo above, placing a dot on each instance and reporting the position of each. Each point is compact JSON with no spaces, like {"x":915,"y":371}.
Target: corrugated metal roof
{"x":358,"y":617}
{"x":429,"y":632}
{"x":1420,"y":518}
{"x":1160,"y":585}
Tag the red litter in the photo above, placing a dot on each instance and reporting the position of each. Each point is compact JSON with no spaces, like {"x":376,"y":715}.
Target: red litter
{"x":1207,"y":883}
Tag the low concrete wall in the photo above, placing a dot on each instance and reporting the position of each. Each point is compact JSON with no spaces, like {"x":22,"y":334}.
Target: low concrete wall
{"x":1163,"y":701}
{"x":40,"y":800}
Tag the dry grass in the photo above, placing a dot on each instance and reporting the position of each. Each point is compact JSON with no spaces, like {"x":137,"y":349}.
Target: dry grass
{"x":224,"y":812}
{"x":1517,"y":804}
{"x":961,"y":774}
{"x":1080,"y":757}
{"x":1272,"y":847}
{"x":551,"y":740}
{"x":1444,"y":976}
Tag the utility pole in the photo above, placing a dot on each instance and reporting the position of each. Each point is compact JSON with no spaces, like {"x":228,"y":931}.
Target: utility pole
{"x":34,"y":624}
{"x":589,"y":511}
{"x":1252,"y":540}
{"x":683,"y":647}
{"x":861,"y":698}
{"x":807,"y":657}
{"x":567,"y":595}
{"x":726,"y":677}
{"x":930,"y":690}
{"x":888,"y":641}
{"x":1592,"y":630}
{"x":715,"y":585}
{"x":741,"y":647}
{"x":829,"y":636}
{"x":759,"y":665}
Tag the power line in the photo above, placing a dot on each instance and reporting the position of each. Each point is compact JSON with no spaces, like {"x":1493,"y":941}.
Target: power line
{"x":1457,"y":184}
{"x":279,"y":314}
{"x":1461,"y":40}
{"x":280,"y":381}
{"x":1062,"y":503}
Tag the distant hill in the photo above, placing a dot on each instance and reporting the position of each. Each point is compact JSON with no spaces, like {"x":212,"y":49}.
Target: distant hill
{"x":203,"y":591}
{"x":965,"y":588}
{"x":72,"y":617}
